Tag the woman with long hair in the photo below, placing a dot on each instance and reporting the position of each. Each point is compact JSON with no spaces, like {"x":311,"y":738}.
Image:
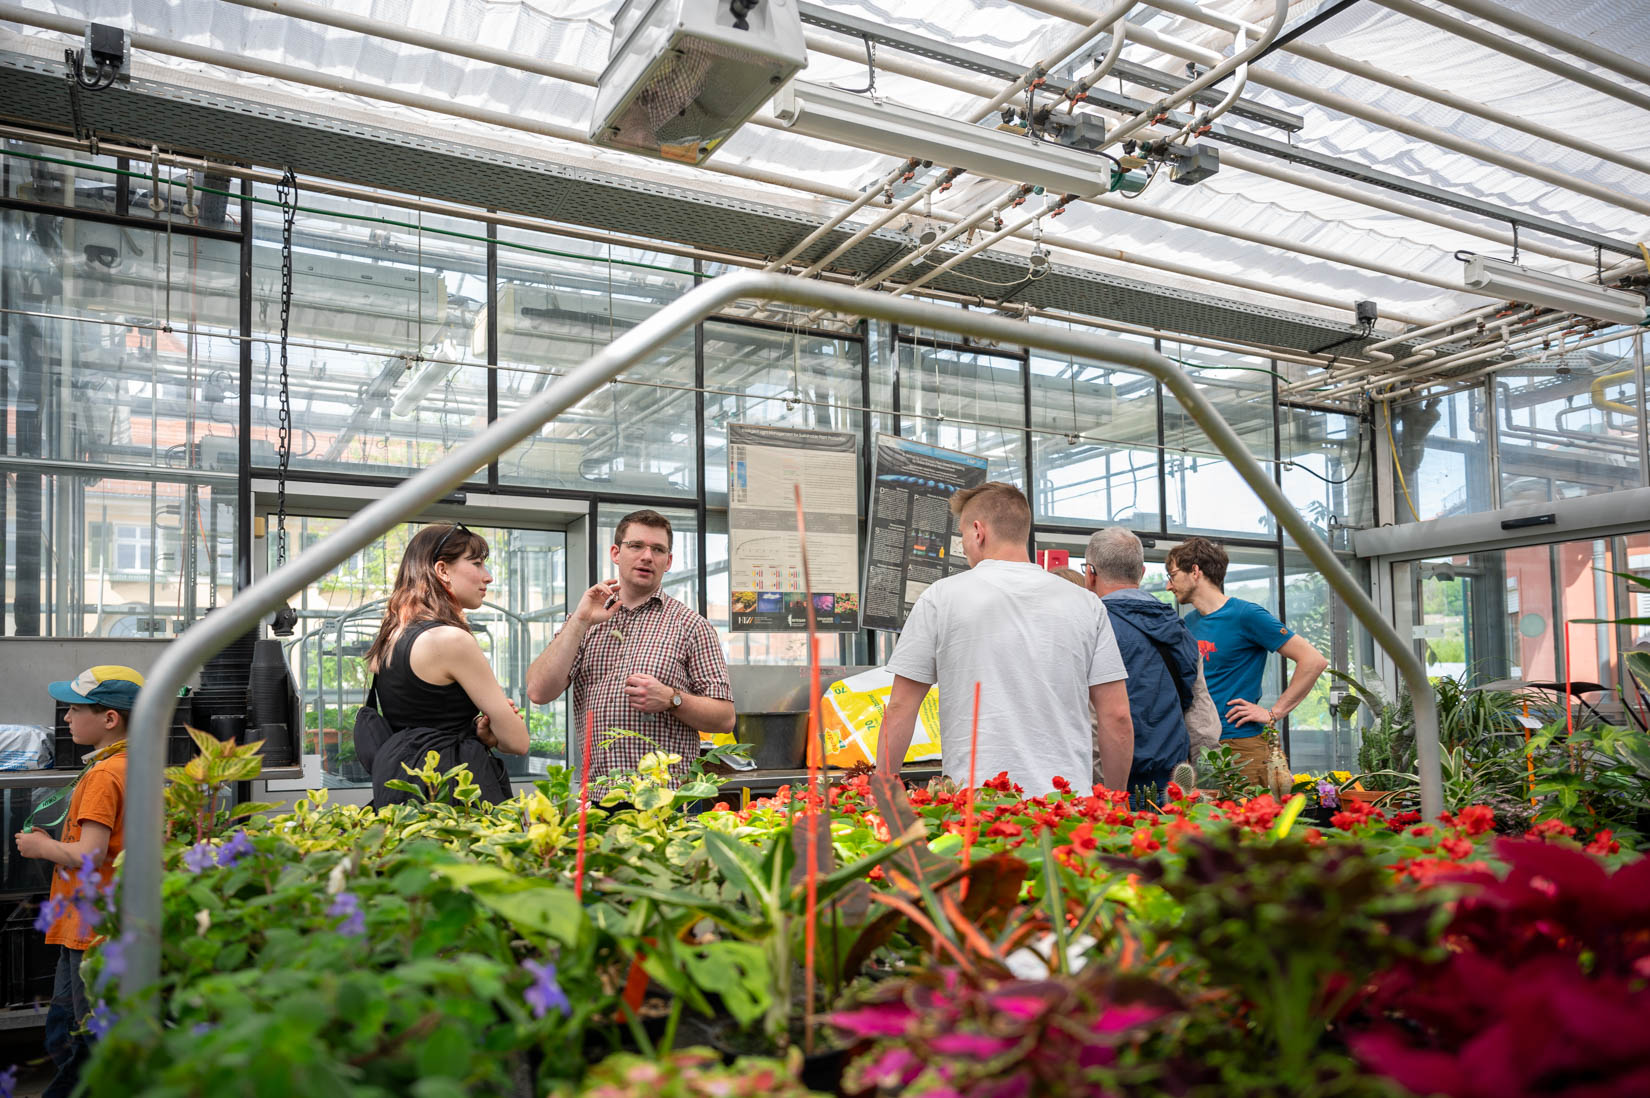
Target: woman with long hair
{"x":432,"y":681}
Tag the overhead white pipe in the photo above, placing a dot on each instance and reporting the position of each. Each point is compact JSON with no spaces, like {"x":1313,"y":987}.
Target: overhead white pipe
{"x":366,"y":194}
{"x":1461,"y":103}
{"x":950,"y":77}
{"x":1499,"y":42}
{"x":1399,"y":123}
{"x":1544,"y":32}
{"x":1505,"y":345}
{"x":1280,"y":14}
{"x":1419,"y":353}
{"x":1412,"y":390}
{"x":1198,"y":122}
{"x":967,"y":253}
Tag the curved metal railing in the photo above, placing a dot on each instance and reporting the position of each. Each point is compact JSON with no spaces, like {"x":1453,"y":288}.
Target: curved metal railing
{"x":141,"y":897}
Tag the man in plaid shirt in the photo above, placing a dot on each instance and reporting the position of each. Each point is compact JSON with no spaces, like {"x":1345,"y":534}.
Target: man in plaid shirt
{"x":638,"y":659}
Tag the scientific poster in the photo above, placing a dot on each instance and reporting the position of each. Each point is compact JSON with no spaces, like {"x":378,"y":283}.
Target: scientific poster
{"x":764,"y":559}
{"x":912,"y":533}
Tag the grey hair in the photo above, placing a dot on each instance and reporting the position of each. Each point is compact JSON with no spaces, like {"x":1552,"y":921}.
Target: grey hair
{"x":1115,"y":554}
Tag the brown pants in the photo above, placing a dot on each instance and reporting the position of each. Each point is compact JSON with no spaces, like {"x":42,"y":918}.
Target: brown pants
{"x":1252,"y":754}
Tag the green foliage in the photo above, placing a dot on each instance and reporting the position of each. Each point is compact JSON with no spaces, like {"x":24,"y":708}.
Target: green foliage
{"x":1289,"y":931}
{"x":691,"y":1073}
{"x":1220,"y":771}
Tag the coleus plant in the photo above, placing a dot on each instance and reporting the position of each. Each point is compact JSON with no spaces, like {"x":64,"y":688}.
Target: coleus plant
{"x":1543,"y":991}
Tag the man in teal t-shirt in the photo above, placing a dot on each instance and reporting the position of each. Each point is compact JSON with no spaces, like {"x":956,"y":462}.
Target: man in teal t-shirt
{"x":1234,"y":637}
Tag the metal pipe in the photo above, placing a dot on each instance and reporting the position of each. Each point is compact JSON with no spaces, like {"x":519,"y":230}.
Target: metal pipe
{"x":1280,"y":14}
{"x":141,"y":879}
{"x":1398,"y":123}
{"x":1544,"y":32}
{"x":1421,"y":387}
{"x":1239,"y":82}
{"x":941,"y":180}
{"x":1498,"y":41}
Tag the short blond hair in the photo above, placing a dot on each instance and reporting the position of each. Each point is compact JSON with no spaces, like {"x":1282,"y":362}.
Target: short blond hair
{"x":1001,"y":506}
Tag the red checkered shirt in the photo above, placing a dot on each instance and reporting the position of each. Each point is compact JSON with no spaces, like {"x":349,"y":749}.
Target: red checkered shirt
{"x":662,"y":638}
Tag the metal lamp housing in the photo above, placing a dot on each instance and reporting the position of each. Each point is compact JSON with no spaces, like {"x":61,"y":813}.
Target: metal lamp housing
{"x":683,"y":75}
{"x":1567,"y":295}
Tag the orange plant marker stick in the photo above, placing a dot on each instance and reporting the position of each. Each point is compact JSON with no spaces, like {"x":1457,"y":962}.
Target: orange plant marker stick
{"x":810,"y":926}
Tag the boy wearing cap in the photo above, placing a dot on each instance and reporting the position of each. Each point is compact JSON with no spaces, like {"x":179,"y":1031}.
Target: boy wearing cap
{"x":100,"y":700}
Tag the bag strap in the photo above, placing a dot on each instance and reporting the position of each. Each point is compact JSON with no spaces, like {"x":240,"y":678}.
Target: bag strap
{"x":372,"y":695}
{"x":1180,"y":688}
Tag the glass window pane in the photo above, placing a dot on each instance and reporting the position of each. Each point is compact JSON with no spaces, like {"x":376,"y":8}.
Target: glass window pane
{"x":384,"y":373}
{"x":559,"y":302}
{"x":1094,"y":444}
{"x":1205,"y":494}
{"x":1569,"y":427}
{"x":1443,"y":455}
{"x":1328,"y":467}
{"x":965,"y":400}
{"x":1320,"y":740}
{"x":788,"y":379}
{"x":88,"y":556}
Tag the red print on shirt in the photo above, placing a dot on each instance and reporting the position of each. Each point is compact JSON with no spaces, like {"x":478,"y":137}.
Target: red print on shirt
{"x":1205,"y":649}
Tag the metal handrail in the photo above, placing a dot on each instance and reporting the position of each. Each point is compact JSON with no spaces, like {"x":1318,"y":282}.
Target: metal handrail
{"x":145,"y":814}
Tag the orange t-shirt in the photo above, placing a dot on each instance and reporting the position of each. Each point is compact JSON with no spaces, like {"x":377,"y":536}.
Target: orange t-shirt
{"x":99,"y":797}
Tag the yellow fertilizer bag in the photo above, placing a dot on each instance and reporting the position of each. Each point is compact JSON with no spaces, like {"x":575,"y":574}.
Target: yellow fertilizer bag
{"x":851,"y":711}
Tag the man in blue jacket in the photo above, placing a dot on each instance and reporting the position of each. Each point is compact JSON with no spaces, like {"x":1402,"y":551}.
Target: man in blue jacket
{"x":1165,"y":680}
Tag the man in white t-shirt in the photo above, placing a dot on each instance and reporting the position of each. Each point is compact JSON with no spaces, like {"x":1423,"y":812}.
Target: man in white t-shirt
{"x":1041,"y":652}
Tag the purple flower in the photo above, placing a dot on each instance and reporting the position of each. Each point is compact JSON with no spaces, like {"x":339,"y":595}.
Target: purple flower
{"x":50,"y":912}
{"x":114,"y":960}
{"x":346,"y":905}
{"x":101,"y":1020}
{"x":1328,"y":795}
{"x":89,"y":915}
{"x":201,"y":1029}
{"x":199,"y":857}
{"x":238,"y":847}
{"x":545,"y":994}
{"x":8,"y":1082}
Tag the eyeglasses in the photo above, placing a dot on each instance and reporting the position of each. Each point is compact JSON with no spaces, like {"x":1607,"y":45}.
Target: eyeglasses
{"x":645,"y":546}
{"x":1171,"y":573}
{"x":435,"y":554}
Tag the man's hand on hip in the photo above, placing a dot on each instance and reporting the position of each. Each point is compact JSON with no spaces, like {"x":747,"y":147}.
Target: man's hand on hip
{"x":648,"y":694}
{"x":1247,"y":712}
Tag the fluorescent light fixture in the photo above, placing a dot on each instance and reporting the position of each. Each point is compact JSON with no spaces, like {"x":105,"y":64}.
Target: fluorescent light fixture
{"x":864,"y":123}
{"x":1567,"y":295}
{"x":683,"y":75}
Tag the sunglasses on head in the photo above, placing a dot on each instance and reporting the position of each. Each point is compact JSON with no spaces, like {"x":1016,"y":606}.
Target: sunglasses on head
{"x":435,"y":554}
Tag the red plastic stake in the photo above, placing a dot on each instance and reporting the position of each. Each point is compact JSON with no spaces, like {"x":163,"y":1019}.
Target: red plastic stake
{"x":584,"y":803}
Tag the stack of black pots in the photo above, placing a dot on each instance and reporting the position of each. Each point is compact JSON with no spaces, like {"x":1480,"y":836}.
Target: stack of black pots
{"x":220,"y":704}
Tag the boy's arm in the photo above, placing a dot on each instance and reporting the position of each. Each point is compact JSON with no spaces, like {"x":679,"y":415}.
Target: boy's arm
{"x":94,"y":840}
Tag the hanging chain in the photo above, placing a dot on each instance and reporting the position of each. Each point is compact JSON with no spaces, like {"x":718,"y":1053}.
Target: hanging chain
{"x":288,"y":186}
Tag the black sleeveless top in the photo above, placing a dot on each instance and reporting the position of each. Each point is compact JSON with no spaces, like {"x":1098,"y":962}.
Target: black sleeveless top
{"x":407,"y":701}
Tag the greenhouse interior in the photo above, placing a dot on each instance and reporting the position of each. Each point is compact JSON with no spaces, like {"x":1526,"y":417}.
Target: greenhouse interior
{"x":515,"y":472}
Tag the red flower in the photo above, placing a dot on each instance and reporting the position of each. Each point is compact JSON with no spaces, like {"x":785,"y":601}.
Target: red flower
{"x":1475,"y":819}
{"x":1144,"y":843}
{"x":1603,"y":843}
{"x":1001,"y":783}
{"x":1312,"y":837}
{"x":1175,"y":792}
{"x":1550,"y":829}
{"x":1455,"y":847}
{"x":1423,"y":831}
{"x":1061,"y":785}
{"x":1002,"y":829}
{"x":1083,"y":837}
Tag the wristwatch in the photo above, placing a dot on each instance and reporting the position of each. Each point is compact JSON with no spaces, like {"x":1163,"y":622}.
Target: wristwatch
{"x":675,"y":701}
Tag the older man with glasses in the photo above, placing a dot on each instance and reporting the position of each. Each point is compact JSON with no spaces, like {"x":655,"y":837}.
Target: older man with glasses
{"x":639,"y":660}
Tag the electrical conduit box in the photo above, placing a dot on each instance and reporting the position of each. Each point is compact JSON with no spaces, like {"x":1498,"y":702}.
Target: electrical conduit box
{"x":683,"y":75}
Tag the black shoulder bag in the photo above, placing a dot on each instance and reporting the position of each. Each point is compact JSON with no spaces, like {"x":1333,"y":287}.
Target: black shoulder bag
{"x":372,"y":729}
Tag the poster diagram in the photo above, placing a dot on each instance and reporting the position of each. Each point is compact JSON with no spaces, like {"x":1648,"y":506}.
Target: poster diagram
{"x":913,"y":536}
{"x":764,"y":557}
